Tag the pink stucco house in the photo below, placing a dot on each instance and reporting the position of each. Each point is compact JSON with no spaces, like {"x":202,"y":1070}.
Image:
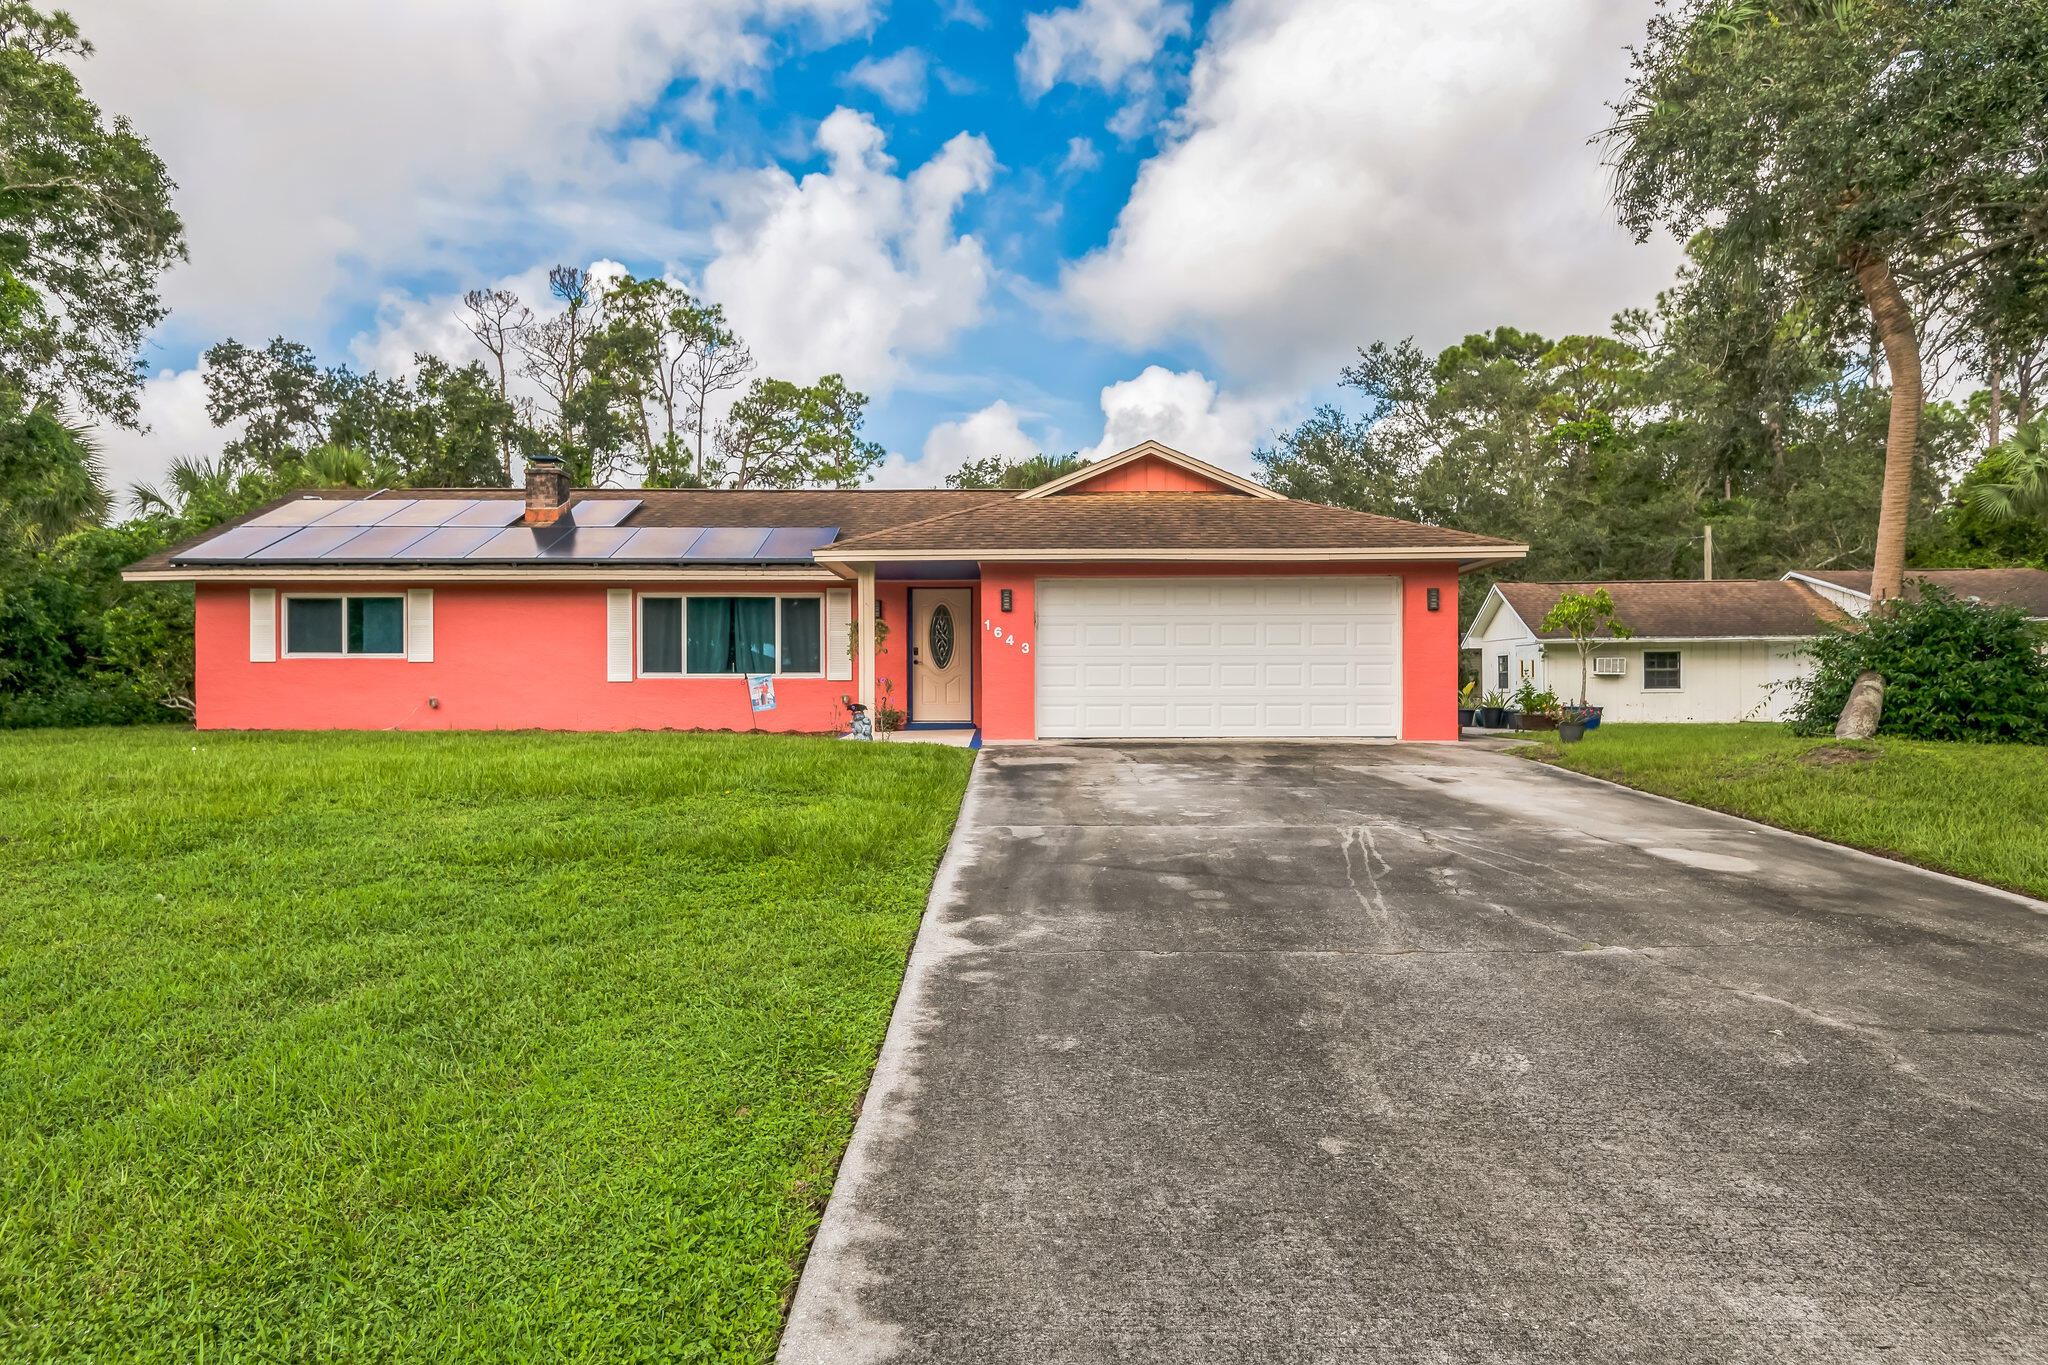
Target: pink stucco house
{"x":1149,"y":594}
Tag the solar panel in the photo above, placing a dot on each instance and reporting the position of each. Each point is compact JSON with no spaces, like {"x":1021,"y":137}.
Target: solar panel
{"x":299,"y":513}
{"x":602,"y":511}
{"x":239,"y":543}
{"x":380,"y":542}
{"x":795,"y":542}
{"x":658,"y":542}
{"x":729,"y":542}
{"x":490,"y":512}
{"x":359,"y":512}
{"x":449,"y":542}
{"x":312,"y":542}
{"x":520,"y":542}
{"x":587,"y":543}
{"x":428,"y":511}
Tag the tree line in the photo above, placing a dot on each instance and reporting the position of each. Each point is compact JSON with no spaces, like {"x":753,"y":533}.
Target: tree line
{"x":622,"y":381}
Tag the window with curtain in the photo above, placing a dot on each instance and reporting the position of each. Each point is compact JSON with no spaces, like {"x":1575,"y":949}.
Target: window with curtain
{"x":731,"y":635}
{"x":344,"y":625}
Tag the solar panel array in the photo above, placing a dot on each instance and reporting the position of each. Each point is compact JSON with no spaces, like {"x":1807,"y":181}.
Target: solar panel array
{"x":330,"y":531}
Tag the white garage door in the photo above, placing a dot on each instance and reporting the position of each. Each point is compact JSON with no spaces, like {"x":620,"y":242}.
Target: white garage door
{"x":1198,"y":656}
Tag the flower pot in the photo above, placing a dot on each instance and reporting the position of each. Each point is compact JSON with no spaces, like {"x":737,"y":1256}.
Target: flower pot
{"x":1467,"y":716}
{"x":1570,"y":734}
{"x":1593,"y":721}
{"x":1492,"y":718}
{"x":1534,"y":720}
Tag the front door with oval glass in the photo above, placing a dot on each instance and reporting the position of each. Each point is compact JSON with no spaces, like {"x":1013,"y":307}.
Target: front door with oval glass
{"x":941,"y":656}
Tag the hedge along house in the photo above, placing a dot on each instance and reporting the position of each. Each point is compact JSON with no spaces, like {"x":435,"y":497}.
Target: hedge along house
{"x":1148,"y":594}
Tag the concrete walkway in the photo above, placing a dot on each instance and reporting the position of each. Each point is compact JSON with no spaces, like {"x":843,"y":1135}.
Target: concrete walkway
{"x":1351,"y":1052}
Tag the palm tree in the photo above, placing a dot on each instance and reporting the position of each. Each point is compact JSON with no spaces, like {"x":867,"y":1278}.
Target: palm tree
{"x":51,"y":479}
{"x":2011,"y":482}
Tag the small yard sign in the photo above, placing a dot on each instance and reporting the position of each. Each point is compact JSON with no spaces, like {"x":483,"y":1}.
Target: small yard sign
{"x":761,"y":691}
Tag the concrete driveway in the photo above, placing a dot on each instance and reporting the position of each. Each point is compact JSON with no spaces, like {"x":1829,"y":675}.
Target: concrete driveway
{"x":1352,"y":1052}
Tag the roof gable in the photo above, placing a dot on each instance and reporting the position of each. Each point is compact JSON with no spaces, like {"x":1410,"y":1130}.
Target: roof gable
{"x":1149,"y":467}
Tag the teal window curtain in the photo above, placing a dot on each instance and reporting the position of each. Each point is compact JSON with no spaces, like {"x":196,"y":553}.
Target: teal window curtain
{"x":753,"y":634}
{"x":376,"y":625}
{"x":312,"y":625}
{"x":661,"y":635}
{"x":734,"y":635}
{"x":709,"y":641}
{"x":802,"y":636}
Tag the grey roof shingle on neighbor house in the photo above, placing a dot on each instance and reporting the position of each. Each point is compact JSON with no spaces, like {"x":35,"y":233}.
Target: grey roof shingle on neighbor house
{"x":2023,"y":588}
{"x":1688,"y":609}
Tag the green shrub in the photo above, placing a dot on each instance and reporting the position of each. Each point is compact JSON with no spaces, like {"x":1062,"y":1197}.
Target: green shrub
{"x":1953,"y":669}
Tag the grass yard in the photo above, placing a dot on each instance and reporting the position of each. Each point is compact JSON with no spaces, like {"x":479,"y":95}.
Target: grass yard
{"x":435,"y":1047}
{"x":1977,"y":810}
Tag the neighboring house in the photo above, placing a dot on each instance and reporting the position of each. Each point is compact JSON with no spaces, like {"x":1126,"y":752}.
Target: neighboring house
{"x":1702,"y":651}
{"x":1849,"y":589}
{"x":1148,"y":594}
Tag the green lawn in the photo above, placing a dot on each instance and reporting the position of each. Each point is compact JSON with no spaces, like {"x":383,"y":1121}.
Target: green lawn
{"x":1977,"y":810}
{"x":433,"y":1047}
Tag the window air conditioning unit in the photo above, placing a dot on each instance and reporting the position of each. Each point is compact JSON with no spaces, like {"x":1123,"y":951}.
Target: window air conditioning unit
{"x":1610,"y":666}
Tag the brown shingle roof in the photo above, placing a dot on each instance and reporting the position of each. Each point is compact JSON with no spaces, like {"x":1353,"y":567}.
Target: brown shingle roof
{"x":853,"y":511}
{"x":2023,"y":588}
{"x":1687,"y":609}
{"x":1194,"y":522}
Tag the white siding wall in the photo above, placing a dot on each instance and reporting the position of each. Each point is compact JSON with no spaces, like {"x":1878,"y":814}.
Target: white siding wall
{"x":1721,"y":680}
{"x":1505,"y":634}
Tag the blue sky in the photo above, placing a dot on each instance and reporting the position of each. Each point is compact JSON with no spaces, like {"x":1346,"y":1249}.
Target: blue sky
{"x":1061,"y":226}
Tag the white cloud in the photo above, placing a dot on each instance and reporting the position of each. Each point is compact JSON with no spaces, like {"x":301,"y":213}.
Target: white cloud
{"x":173,"y":405}
{"x":1105,"y":43}
{"x":1345,"y":170}
{"x":1081,"y":156}
{"x":317,"y":143}
{"x":995,"y":430}
{"x":853,"y":268}
{"x":1185,"y":410}
{"x":897,"y":80}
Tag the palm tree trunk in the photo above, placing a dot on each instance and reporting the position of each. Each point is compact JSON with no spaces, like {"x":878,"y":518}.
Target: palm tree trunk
{"x":1893,"y":317}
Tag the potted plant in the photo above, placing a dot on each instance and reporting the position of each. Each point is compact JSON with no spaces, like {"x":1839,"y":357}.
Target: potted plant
{"x":1493,"y":711}
{"x":1572,"y":723}
{"x":1583,"y":616}
{"x":1535,"y":709}
{"x":1467,"y":713}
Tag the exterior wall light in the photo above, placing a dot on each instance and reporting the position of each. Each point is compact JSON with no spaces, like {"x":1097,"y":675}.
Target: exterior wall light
{"x":1006,"y":599}
{"x":1436,"y":599}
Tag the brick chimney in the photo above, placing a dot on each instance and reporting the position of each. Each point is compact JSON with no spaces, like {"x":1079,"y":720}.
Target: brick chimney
{"x":547,"y":490}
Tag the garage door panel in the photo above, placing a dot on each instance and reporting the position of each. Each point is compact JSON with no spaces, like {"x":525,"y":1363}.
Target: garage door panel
{"x":1276,"y":656}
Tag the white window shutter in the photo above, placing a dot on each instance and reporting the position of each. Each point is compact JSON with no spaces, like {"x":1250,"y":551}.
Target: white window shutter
{"x":618,"y":635}
{"x":419,"y":625}
{"x":838,"y":633}
{"x":263,"y":625}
